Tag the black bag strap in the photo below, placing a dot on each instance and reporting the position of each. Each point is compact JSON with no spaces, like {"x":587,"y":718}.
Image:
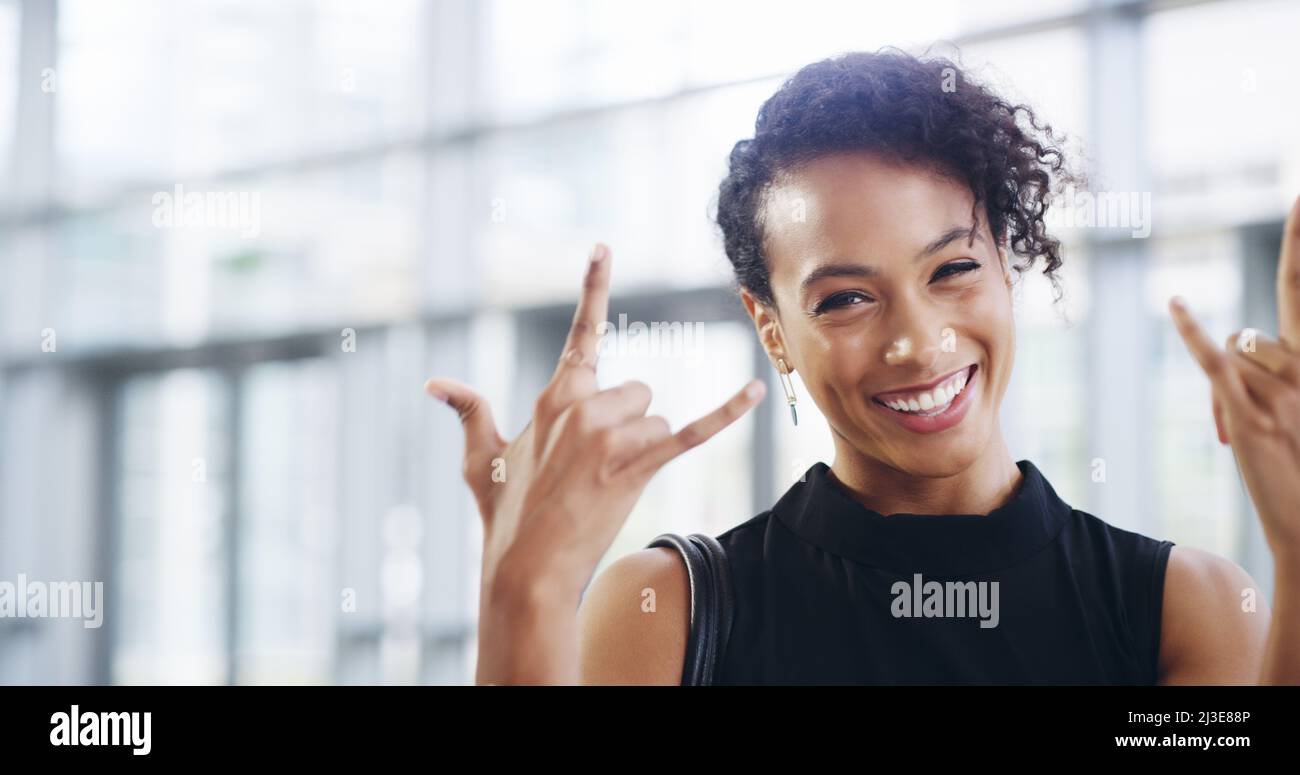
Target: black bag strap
{"x":712,"y":603}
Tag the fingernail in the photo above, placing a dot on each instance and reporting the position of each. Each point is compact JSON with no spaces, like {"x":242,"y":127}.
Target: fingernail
{"x":598,"y":253}
{"x":436,"y":392}
{"x":754,"y":389}
{"x":1179,"y":302}
{"x":1245,"y":339}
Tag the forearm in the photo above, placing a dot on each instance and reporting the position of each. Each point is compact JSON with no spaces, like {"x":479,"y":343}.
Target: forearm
{"x":527,"y":635}
{"x":1282,"y":655}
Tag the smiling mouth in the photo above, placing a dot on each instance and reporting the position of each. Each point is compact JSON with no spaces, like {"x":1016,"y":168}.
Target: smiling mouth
{"x":930,"y":401}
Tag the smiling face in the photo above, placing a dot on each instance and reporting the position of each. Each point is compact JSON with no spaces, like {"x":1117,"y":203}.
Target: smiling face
{"x":896,"y":314}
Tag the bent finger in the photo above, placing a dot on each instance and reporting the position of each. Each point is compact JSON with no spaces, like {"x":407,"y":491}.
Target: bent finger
{"x":634,"y":438}
{"x":699,"y":431}
{"x":621,"y":403}
{"x":1268,"y":392}
{"x":1267,"y":352}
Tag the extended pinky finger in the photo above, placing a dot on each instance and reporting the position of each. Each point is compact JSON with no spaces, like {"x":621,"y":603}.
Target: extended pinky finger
{"x":700,"y":431}
{"x":634,"y":438}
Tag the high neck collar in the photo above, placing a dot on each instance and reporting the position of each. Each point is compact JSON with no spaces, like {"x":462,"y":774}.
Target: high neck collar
{"x":822,"y":512}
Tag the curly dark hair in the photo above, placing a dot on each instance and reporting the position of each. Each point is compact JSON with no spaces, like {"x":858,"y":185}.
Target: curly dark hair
{"x":926,"y":110}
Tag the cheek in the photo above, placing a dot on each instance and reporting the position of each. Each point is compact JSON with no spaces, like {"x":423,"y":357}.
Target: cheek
{"x":847,"y":353}
{"x":836,"y":362}
{"x":992,"y":321}
{"x":841,"y":366}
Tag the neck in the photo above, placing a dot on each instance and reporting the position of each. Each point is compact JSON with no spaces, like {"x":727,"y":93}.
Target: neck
{"x":989,"y":482}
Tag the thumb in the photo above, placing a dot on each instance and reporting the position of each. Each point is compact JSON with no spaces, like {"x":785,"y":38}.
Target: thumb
{"x":481,"y":433}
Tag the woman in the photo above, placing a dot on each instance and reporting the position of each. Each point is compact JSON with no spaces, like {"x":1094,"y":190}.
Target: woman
{"x":870,"y":222}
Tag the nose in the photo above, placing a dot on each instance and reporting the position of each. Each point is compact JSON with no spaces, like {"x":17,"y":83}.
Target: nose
{"x":915,"y":338}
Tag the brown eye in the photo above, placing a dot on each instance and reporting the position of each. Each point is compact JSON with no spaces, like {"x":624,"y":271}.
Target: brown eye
{"x":845,"y":299}
{"x":955,"y":268}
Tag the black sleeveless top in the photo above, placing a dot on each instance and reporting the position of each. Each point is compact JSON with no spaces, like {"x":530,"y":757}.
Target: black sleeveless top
{"x":1035,"y":592}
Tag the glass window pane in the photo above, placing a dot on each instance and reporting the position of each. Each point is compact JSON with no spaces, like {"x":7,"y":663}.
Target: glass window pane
{"x":174,"y":90}
{"x":337,"y":246}
{"x":691,"y":367}
{"x":171,"y":486}
{"x":641,"y":179}
{"x":1221,"y":114}
{"x":1197,"y":486}
{"x":1044,"y":413}
{"x":289,"y":490}
{"x":567,"y":54}
{"x":1058,"y":94}
{"x":9,"y":24}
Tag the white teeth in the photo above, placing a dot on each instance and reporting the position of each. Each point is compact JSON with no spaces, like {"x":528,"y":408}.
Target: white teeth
{"x":934,"y":401}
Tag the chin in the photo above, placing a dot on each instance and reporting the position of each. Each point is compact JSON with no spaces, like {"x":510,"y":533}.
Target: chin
{"x":949,"y":460}
{"x":931,"y":455}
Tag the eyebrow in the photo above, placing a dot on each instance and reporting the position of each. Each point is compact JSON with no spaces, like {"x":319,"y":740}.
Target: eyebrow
{"x":947,"y":238}
{"x":863,"y":270}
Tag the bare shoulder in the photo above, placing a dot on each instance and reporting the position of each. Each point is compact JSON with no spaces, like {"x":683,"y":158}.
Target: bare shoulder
{"x":634,"y":620}
{"x":1214,"y":623}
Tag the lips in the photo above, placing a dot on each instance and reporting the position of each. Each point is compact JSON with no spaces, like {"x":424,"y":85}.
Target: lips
{"x":933,"y":406}
{"x":930,"y":397}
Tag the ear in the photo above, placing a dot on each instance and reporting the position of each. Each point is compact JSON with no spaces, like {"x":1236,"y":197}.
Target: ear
{"x":768,"y":327}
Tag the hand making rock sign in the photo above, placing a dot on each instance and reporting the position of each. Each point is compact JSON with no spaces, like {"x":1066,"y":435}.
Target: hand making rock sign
{"x":561,"y":492}
{"x":1256,"y":394}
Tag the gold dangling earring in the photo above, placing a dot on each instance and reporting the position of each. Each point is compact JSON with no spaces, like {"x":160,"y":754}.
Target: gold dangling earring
{"x":789,"y":387}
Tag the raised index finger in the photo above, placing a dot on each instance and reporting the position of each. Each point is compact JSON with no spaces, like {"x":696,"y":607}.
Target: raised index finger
{"x":593,"y":307}
{"x":1288,"y":280}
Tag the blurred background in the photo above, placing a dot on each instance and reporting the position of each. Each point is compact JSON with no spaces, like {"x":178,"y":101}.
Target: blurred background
{"x":236,"y":236}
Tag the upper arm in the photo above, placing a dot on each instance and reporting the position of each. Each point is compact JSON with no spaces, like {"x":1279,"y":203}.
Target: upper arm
{"x":634,"y":620}
{"x":1210,"y":633}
